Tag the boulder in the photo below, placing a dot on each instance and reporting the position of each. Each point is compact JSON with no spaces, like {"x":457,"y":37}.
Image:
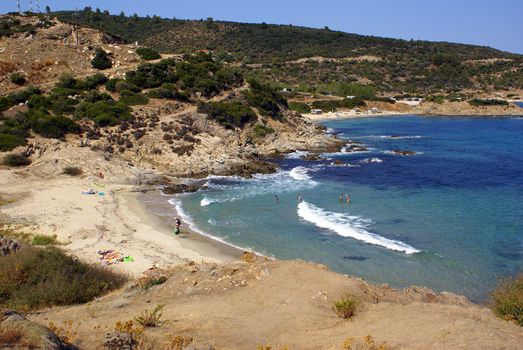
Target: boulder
{"x":119,"y":341}
{"x":403,"y":153}
{"x":8,"y":246}
{"x":311,"y":157}
{"x":179,"y":188}
{"x":29,"y":335}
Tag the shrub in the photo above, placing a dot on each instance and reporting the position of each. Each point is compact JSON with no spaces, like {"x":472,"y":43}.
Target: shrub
{"x":50,"y":126}
{"x":130,"y":98}
{"x":95,"y":80}
{"x":101,"y":60}
{"x":122,"y":85}
{"x":18,"y":78}
{"x":507,"y":300}
{"x":266,"y":99}
{"x":168,"y":91}
{"x":331,"y":105}
{"x":149,"y":283}
{"x":103,"y":113}
{"x":44,"y":240}
{"x":228,"y":114}
{"x":345,"y":307}
{"x":152,"y":318}
{"x":479,"y":102}
{"x":151,"y":75}
{"x":148,"y":54}
{"x":260,"y":131}
{"x":34,"y":278}
{"x":9,"y":142}
{"x":300,"y":107}
{"x":72,"y":171}
{"x":16,"y":160}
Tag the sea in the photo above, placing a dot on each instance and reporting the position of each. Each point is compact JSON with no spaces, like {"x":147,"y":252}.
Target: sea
{"x":449,"y":217}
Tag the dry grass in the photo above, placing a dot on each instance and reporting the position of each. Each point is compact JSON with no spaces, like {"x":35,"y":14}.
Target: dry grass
{"x":367,"y":343}
{"x":345,"y":307}
{"x":152,"y":318}
{"x":507,"y":300}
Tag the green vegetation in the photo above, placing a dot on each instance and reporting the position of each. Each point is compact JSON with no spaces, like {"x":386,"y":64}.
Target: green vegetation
{"x":72,"y":171}
{"x":148,"y":54}
{"x":385,"y":64}
{"x":9,"y":142}
{"x":101,"y":59}
{"x":149,"y":283}
{"x":16,"y":160}
{"x":230,"y":115}
{"x":11,"y":25}
{"x":507,"y":300}
{"x":332,"y":105}
{"x":300,"y":107}
{"x":168,"y":91}
{"x":44,"y":240}
{"x":266,"y":99}
{"x":130,"y":98}
{"x":478,"y":102}
{"x":152,"y":318}
{"x":260,"y":131}
{"x":34,"y":278}
{"x":345,"y":307}
{"x":103,"y":113}
{"x":17,"y":78}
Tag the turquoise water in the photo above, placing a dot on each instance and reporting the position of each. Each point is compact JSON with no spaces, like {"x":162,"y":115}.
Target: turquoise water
{"x":449,"y":217}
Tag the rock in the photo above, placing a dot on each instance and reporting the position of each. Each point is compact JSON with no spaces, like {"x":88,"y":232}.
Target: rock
{"x":339,"y":162}
{"x":311,"y":157}
{"x":58,"y":32}
{"x":119,"y":341}
{"x":403,"y":153}
{"x":30,"y":335}
{"x":180,"y":188}
{"x":8,"y":246}
{"x":355,"y":148}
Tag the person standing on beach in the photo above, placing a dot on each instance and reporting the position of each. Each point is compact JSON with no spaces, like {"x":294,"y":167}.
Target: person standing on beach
{"x":178,"y":223}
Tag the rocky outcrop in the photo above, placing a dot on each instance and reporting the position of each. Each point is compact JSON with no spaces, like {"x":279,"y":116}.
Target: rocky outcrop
{"x":25,"y":334}
{"x":403,"y":153}
{"x":8,"y":246}
{"x":179,"y":188}
{"x":119,"y":341}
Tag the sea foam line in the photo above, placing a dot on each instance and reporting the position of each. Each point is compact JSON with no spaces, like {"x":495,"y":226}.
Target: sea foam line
{"x":350,"y":226}
{"x":190,"y":223}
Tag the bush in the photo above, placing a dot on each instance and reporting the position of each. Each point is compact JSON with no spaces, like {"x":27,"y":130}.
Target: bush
{"x":101,"y":60}
{"x":18,"y":78}
{"x":507,"y":300}
{"x":345,"y":307}
{"x":266,"y":99}
{"x":300,"y":107}
{"x":168,"y":91}
{"x":44,"y":240}
{"x":151,"y":318}
{"x":148,"y":54}
{"x":151,"y":75}
{"x":16,"y":160}
{"x":479,"y":102}
{"x":228,"y":114}
{"x":95,"y":80}
{"x":149,"y":283}
{"x":72,"y":171}
{"x":9,"y":142}
{"x":35,"y":278}
{"x":260,"y":131}
{"x":130,"y":98}
{"x":50,"y":126}
{"x":103,"y":113}
{"x":332,"y":105}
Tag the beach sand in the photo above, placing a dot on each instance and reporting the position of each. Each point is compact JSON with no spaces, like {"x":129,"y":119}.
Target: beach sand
{"x":118,"y":220}
{"x":349,"y":115}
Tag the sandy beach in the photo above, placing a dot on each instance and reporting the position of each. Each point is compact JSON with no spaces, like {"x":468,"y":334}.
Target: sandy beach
{"x":116,"y":220}
{"x":350,"y":115}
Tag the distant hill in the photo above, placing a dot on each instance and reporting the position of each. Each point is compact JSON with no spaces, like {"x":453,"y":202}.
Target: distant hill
{"x":282,"y":53}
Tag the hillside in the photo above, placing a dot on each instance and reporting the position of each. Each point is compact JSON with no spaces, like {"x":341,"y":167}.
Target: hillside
{"x":310,"y":57}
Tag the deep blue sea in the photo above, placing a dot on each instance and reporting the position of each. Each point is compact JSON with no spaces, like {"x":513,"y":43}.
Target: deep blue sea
{"x":449,"y":217}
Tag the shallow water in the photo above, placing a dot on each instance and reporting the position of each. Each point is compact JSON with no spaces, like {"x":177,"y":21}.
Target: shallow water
{"x":449,"y":217}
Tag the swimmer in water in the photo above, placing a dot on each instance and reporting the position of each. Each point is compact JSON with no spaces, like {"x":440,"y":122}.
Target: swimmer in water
{"x":300,"y":199}
{"x":276,"y":198}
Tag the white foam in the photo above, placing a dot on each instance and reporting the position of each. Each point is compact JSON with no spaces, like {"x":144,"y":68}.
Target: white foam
{"x":300,"y":173}
{"x":205,"y":202}
{"x":391,"y":137}
{"x":372,"y":160}
{"x":349,"y":226}
{"x":296,"y":154}
{"x":188,"y":220}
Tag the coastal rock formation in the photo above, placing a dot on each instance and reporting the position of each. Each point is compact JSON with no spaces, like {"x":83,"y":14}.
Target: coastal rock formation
{"x":179,"y":188}
{"x":403,"y":153}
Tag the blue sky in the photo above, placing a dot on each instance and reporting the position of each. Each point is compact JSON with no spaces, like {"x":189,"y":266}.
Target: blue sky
{"x":497,"y":23}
